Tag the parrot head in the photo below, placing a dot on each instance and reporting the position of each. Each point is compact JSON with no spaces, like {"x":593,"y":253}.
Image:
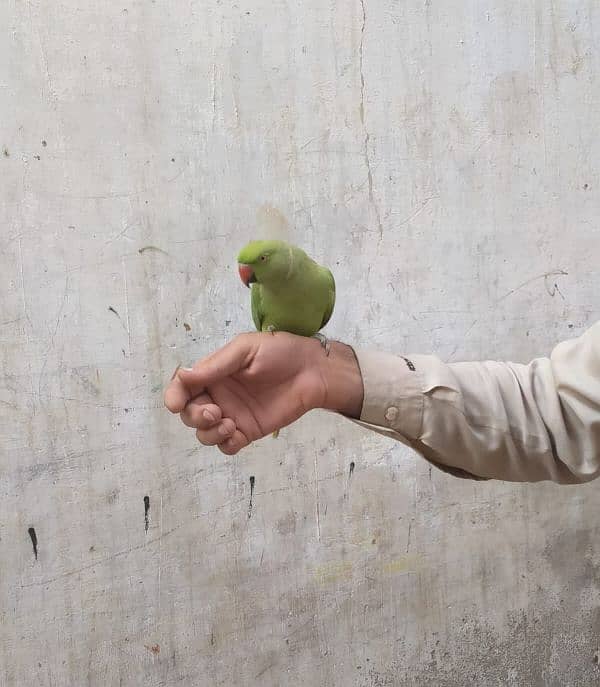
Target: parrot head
{"x":265,"y":262}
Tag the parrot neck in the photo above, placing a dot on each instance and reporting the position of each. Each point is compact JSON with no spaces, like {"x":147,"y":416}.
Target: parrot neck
{"x":299,"y":269}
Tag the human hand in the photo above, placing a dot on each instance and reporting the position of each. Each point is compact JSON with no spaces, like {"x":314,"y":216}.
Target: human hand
{"x":261,"y":382}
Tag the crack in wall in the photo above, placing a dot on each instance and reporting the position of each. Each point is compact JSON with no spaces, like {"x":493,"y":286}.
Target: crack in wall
{"x":367,"y":138}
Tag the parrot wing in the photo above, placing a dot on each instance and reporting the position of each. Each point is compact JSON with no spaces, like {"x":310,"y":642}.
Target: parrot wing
{"x":331,"y":301}
{"x":256,"y":304}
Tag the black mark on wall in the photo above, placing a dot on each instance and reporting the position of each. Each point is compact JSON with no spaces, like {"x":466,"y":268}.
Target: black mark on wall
{"x":141,"y":251}
{"x":146,"y":512}
{"x":251,"y":495}
{"x":347,"y":488}
{"x":34,"y":541}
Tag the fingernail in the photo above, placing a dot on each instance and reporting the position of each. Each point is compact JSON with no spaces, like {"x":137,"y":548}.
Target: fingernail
{"x":174,"y":373}
{"x":224,"y":430}
{"x":209,"y":416}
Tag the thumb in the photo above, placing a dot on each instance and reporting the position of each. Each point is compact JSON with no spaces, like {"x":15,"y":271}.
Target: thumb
{"x":187,"y":384}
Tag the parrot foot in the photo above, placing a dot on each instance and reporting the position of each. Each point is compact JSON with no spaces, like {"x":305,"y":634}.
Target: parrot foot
{"x":271,"y":329}
{"x":324,"y":342}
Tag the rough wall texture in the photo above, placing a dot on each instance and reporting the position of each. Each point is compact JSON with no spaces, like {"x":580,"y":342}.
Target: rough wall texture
{"x":443,"y":158}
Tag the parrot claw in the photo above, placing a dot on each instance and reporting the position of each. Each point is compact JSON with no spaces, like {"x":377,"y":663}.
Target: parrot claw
{"x":275,"y":434}
{"x":324,"y":342}
{"x":271,"y":329}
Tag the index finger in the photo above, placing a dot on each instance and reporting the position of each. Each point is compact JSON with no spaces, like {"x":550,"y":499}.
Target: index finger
{"x":187,"y":384}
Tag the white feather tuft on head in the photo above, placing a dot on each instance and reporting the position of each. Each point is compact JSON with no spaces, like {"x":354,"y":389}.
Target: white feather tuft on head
{"x":271,"y":224}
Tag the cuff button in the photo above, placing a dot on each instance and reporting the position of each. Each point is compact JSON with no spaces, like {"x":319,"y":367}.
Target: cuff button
{"x":392,"y":413}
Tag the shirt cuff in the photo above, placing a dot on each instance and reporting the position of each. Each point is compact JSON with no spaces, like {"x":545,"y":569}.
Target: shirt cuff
{"x":393,"y":391}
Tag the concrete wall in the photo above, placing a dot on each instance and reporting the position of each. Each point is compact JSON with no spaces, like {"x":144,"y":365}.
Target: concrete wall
{"x":443,"y":158}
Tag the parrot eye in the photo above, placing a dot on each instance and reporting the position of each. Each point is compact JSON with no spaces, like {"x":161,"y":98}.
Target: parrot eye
{"x":263,"y":257}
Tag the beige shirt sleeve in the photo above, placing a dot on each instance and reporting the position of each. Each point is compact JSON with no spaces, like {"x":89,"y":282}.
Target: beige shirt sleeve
{"x":492,"y":420}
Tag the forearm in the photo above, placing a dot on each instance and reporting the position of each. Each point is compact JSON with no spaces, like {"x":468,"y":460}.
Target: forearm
{"x":485,"y":420}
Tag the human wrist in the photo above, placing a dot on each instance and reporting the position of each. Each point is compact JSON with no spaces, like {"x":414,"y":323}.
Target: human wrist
{"x":343,"y":381}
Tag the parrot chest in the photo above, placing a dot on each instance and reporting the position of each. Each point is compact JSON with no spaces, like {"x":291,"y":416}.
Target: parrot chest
{"x":298,"y":313}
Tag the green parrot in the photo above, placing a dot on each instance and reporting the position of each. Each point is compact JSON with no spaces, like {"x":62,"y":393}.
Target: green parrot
{"x":290,"y":291}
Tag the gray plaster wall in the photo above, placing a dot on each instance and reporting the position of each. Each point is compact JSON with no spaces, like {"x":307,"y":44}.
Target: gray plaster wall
{"x":443,"y":158}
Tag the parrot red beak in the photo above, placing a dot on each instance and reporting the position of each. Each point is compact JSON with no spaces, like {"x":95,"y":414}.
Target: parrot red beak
{"x":246,"y":274}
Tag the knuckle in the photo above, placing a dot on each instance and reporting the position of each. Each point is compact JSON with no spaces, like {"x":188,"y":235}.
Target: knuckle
{"x":228,"y":424}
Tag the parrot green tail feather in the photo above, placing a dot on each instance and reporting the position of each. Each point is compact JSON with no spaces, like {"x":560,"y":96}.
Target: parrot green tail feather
{"x":290,"y":291}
